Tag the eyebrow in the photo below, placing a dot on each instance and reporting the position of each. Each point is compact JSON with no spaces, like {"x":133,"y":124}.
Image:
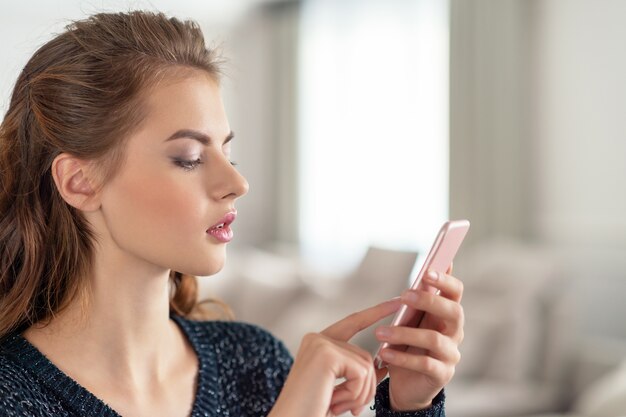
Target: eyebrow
{"x":199,"y":136}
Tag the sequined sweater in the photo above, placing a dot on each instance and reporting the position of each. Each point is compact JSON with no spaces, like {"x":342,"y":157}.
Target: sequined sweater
{"x":242,"y":369}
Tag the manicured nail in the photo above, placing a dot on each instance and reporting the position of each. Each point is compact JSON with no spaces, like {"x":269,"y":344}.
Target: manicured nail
{"x":432,"y":276}
{"x":387,"y":355}
{"x":383,"y":331}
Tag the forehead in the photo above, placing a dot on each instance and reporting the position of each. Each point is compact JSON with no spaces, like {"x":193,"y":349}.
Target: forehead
{"x":190,"y":102}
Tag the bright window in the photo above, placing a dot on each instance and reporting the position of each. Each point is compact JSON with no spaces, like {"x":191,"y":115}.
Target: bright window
{"x":373,"y":115}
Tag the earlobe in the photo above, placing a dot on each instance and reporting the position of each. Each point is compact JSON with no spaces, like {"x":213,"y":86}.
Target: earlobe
{"x":71,"y":176}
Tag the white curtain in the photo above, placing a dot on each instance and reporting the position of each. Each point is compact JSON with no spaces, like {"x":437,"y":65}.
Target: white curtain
{"x":373,"y":126}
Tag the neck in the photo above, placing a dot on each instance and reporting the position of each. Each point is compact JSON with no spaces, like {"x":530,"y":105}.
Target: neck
{"x":125,"y":324}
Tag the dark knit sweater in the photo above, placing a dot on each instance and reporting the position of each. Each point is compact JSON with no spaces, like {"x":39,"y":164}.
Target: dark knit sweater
{"x":242,"y":370}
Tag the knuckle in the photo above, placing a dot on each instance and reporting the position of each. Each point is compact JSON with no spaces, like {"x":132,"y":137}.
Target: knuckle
{"x":319,"y":344}
{"x":429,"y":300}
{"x":461,"y":315}
{"x":460,"y":286}
{"x":448,"y":375}
{"x":461,"y":335}
{"x":325,"y":350}
{"x":457,"y":356}
{"x":428,"y":364}
{"x":457,"y":311}
{"x":311,"y":339}
{"x":435,"y":340}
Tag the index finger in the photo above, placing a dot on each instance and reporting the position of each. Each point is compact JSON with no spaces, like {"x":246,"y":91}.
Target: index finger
{"x":346,"y":328}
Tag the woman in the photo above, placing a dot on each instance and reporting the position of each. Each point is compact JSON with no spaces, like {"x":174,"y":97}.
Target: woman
{"x":117,"y":190}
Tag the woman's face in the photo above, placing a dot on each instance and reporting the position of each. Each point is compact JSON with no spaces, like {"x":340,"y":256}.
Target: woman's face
{"x":160,"y":206}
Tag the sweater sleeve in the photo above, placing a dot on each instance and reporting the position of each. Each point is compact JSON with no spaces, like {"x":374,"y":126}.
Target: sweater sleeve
{"x":383,"y":408}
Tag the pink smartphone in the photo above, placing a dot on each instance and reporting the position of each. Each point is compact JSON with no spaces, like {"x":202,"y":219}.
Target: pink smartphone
{"x":439,"y":259}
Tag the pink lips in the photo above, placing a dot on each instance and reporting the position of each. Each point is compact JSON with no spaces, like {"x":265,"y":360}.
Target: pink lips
{"x":221,"y":230}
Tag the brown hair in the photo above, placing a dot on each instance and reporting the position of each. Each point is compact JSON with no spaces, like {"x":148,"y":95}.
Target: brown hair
{"x":80,"y":93}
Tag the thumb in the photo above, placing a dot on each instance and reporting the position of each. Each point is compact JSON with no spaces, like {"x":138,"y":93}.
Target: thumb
{"x":346,"y":328}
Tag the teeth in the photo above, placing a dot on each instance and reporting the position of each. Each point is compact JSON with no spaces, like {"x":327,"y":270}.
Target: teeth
{"x":220,"y":226}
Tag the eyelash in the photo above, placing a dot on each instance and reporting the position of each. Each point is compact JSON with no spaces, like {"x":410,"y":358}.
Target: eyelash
{"x":191,"y":165}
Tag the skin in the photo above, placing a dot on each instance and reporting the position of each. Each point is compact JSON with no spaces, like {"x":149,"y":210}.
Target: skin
{"x":416,"y":376}
{"x":151,"y":218}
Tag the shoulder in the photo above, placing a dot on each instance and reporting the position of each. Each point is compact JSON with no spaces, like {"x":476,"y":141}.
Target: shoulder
{"x":14,"y":379}
{"x":21,"y":393}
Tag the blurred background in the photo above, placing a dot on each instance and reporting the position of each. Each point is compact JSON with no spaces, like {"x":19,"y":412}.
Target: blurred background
{"x":362,"y":125}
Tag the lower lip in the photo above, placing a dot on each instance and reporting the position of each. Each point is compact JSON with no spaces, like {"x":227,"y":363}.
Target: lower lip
{"x":224,"y":235}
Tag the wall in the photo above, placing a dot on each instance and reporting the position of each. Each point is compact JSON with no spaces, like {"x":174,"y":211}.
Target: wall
{"x":260,"y":98}
{"x":489,"y":143}
{"x":578,"y":103}
{"x":537,"y":126}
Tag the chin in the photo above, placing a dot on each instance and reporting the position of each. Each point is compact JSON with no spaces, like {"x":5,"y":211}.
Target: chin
{"x":213,"y":265}
{"x":215,"y":269}
{"x":205,"y":264}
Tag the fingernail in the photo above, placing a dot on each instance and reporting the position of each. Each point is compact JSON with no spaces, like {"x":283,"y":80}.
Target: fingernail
{"x":387,"y":355}
{"x":409,"y":296}
{"x":383,"y":331}
{"x":432,"y":276}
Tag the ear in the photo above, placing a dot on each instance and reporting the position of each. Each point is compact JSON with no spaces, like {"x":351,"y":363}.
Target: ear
{"x":71,"y":176}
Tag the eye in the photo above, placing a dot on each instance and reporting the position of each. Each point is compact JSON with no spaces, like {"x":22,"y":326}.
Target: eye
{"x":188,"y":165}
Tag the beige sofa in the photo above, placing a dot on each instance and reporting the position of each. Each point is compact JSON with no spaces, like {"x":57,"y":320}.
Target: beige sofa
{"x":543,"y":325}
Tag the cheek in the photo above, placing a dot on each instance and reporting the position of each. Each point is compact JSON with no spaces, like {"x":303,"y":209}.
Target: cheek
{"x":156,"y":209}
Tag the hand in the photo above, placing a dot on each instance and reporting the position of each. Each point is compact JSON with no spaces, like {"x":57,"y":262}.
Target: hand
{"x":418,"y":374}
{"x":322,"y":358}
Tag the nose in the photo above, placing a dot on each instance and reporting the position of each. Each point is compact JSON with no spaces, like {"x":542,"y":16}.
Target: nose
{"x":227,"y":181}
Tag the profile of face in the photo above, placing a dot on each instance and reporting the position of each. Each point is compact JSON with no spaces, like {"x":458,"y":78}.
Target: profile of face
{"x":173,"y":188}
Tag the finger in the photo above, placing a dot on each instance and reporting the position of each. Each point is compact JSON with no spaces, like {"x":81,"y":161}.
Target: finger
{"x":360,"y":389}
{"x":449,"y":271}
{"x":342,"y":396}
{"x":358,"y":374}
{"x":437,"y":371}
{"x":341,"y":408}
{"x":381,"y":374}
{"x":449,"y":311}
{"x":439,"y":346}
{"x":374,"y":380}
{"x":450,"y":287}
{"x":346,"y":328}
{"x":372,"y":387}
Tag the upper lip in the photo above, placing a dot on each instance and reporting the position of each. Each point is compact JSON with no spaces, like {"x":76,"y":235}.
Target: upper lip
{"x":226,"y":220}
